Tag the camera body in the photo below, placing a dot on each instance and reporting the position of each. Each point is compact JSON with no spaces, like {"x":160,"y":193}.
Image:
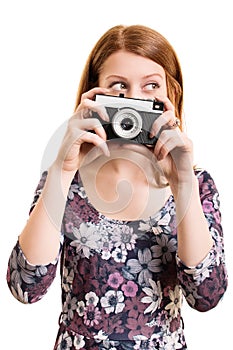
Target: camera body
{"x":129,"y":119}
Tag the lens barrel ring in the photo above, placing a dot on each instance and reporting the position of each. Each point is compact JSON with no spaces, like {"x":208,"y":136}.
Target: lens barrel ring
{"x":131,"y":115}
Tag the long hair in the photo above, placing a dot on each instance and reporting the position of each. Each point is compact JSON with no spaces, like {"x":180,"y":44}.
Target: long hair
{"x":140,"y":40}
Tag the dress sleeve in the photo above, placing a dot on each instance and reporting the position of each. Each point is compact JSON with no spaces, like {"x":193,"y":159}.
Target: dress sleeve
{"x":29,"y":283}
{"x":204,"y":285}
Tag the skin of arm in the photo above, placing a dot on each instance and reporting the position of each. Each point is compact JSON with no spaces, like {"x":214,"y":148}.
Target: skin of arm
{"x":194,"y":238}
{"x":174,"y":150}
{"x":40,"y":238}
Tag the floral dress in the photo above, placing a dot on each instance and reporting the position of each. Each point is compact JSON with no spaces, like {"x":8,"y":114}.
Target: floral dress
{"x":122,"y":281}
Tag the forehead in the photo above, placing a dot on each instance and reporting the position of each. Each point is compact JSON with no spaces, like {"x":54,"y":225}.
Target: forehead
{"x":124,"y":63}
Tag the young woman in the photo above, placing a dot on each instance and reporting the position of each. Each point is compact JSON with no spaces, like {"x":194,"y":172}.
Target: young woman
{"x":136,"y":227}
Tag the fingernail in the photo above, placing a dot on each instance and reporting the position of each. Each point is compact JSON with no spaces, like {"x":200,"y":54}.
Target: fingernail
{"x":105,"y":149}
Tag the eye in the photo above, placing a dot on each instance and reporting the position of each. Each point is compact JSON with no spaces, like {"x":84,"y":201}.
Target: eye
{"x":118,"y":85}
{"x":151,"y":86}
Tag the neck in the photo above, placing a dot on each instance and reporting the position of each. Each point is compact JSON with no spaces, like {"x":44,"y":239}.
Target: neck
{"x":123,"y":186}
{"x":125,"y":163}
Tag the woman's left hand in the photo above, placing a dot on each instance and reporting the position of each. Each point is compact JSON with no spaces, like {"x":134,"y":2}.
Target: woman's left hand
{"x":173,"y":149}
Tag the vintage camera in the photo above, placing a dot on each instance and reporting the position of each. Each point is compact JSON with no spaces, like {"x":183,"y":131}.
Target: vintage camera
{"x":129,"y":119}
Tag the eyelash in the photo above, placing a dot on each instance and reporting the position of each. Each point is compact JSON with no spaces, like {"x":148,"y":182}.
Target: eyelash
{"x":118,"y":83}
{"x":155,"y":85}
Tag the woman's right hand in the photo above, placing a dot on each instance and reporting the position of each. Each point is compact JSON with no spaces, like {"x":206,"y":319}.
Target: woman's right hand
{"x":78,"y":139}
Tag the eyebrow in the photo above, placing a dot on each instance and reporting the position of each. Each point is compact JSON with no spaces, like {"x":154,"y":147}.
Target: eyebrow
{"x":116,"y":76}
{"x":153,"y":75}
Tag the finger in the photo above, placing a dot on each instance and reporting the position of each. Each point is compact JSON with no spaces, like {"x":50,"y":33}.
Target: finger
{"x":78,"y":137}
{"x":88,"y":102}
{"x":90,"y":124}
{"x":166,"y":120}
{"x":100,"y":109}
{"x":88,"y":106}
{"x":168,"y":106}
{"x":159,"y":150}
{"x":91,"y":93}
{"x":94,"y":139}
{"x":98,"y":138}
{"x":168,"y":141}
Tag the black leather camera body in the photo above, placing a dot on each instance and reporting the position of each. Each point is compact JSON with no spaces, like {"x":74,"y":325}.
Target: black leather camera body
{"x":129,"y":119}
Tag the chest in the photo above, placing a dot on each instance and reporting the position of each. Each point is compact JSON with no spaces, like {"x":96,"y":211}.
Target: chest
{"x":125,"y":199}
{"x":91,"y":229}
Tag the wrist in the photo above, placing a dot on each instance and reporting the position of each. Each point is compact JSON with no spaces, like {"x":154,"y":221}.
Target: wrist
{"x":183,"y":187}
{"x":61,"y":178}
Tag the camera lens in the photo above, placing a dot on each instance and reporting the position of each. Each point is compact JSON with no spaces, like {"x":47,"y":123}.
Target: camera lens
{"x":127,"y":123}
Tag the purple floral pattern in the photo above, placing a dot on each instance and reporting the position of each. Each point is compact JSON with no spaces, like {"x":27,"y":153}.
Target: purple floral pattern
{"x":122,"y":282}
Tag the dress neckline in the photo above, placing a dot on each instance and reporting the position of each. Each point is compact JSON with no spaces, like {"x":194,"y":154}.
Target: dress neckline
{"x":102,"y":216}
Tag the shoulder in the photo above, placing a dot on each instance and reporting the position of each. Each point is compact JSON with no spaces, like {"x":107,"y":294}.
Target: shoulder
{"x":203,"y":175}
{"x":206,"y":182}
{"x":38,"y":190}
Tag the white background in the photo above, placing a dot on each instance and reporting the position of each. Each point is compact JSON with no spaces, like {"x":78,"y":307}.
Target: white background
{"x":44,"y":45}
